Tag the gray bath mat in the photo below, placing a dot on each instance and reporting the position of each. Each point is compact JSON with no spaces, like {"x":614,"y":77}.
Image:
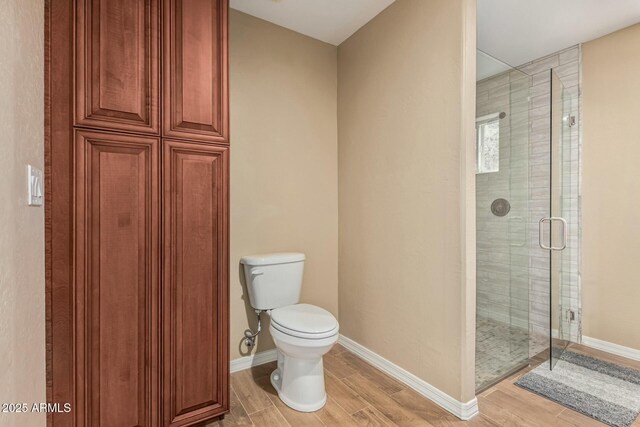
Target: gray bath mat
{"x":601,"y":390}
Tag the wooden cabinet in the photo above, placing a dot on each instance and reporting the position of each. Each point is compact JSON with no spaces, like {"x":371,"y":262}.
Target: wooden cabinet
{"x":117,"y":276}
{"x":117,"y":65}
{"x":195,"y":70}
{"x":195,"y":206}
{"x":136,"y":212}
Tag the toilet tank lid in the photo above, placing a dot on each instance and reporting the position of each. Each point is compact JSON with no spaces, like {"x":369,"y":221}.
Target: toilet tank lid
{"x":275,"y":258}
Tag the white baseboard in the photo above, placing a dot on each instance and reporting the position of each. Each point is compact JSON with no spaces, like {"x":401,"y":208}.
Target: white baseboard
{"x":256,"y":359}
{"x":609,"y":347}
{"x":464,"y":411}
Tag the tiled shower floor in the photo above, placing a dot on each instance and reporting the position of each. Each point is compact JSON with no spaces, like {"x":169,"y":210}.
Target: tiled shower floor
{"x":499,"y":349}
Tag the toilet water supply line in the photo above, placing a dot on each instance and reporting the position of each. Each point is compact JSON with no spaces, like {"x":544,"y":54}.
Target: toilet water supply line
{"x":249,"y":335}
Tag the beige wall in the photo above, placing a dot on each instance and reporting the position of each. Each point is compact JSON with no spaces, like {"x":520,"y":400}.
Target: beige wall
{"x":284,"y":160}
{"x":610,"y":188}
{"x":406,"y":105}
{"x":22,"y":337}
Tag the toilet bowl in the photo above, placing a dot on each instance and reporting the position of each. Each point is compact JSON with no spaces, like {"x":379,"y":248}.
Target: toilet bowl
{"x":302,"y":333}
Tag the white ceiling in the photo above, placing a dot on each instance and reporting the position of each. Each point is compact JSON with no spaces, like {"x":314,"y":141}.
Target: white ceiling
{"x":519,"y":31}
{"x":487,"y":66}
{"x":331,"y":21}
{"x":512,"y":31}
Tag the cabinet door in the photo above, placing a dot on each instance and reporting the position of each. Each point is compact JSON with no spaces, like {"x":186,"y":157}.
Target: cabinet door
{"x":116,"y":280}
{"x":117,"y":65}
{"x":195,"y":288}
{"x":195,"y":70}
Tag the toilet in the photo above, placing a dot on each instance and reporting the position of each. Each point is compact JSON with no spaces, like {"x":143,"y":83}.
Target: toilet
{"x":303,"y":333}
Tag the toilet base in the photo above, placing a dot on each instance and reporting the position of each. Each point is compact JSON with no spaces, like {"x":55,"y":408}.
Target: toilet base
{"x":299,"y":377}
{"x":276,"y":382}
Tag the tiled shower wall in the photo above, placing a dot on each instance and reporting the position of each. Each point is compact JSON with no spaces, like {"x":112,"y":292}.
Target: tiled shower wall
{"x":510,"y":276}
{"x":502,"y":271}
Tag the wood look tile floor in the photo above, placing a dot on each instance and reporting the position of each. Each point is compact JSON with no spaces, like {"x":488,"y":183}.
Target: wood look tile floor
{"x":360,"y":395}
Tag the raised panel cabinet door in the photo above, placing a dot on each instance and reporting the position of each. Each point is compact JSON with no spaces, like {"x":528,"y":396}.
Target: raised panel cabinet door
{"x":116,"y":286}
{"x":117,"y":65}
{"x":195,"y":282}
{"x":195,"y":95}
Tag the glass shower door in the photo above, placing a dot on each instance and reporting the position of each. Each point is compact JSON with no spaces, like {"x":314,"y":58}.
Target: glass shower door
{"x":563,"y":123}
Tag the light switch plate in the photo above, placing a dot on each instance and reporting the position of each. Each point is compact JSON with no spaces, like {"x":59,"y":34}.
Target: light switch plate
{"x":35,"y":191}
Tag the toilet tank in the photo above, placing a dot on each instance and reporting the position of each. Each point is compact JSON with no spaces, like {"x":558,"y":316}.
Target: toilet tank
{"x":273,"y":280}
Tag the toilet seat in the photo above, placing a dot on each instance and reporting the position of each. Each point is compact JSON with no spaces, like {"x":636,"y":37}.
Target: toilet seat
{"x":304,"y":321}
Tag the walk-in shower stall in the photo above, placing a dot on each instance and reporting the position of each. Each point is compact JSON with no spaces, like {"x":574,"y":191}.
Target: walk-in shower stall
{"x":527,"y":213}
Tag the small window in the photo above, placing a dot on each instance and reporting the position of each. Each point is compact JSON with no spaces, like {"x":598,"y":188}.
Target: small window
{"x":488,"y":145}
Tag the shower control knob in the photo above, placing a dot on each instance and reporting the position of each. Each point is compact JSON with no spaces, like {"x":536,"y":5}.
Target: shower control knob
{"x":500,"y":207}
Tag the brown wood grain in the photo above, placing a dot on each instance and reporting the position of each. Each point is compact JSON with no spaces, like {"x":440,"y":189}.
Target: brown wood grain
{"x":269,"y":417}
{"x":59,"y":206}
{"x":117,"y":279}
{"x":249,"y":391}
{"x":195,"y":73}
{"x":504,"y":404}
{"x":293,"y":417}
{"x":333,"y":414}
{"x":195,"y":310}
{"x":103,"y":236}
{"x":381,"y":400}
{"x":349,"y":399}
{"x":371,"y":417}
{"x":117,"y":65}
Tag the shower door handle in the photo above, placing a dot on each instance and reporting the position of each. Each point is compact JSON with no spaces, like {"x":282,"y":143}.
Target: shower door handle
{"x":541,"y":234}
